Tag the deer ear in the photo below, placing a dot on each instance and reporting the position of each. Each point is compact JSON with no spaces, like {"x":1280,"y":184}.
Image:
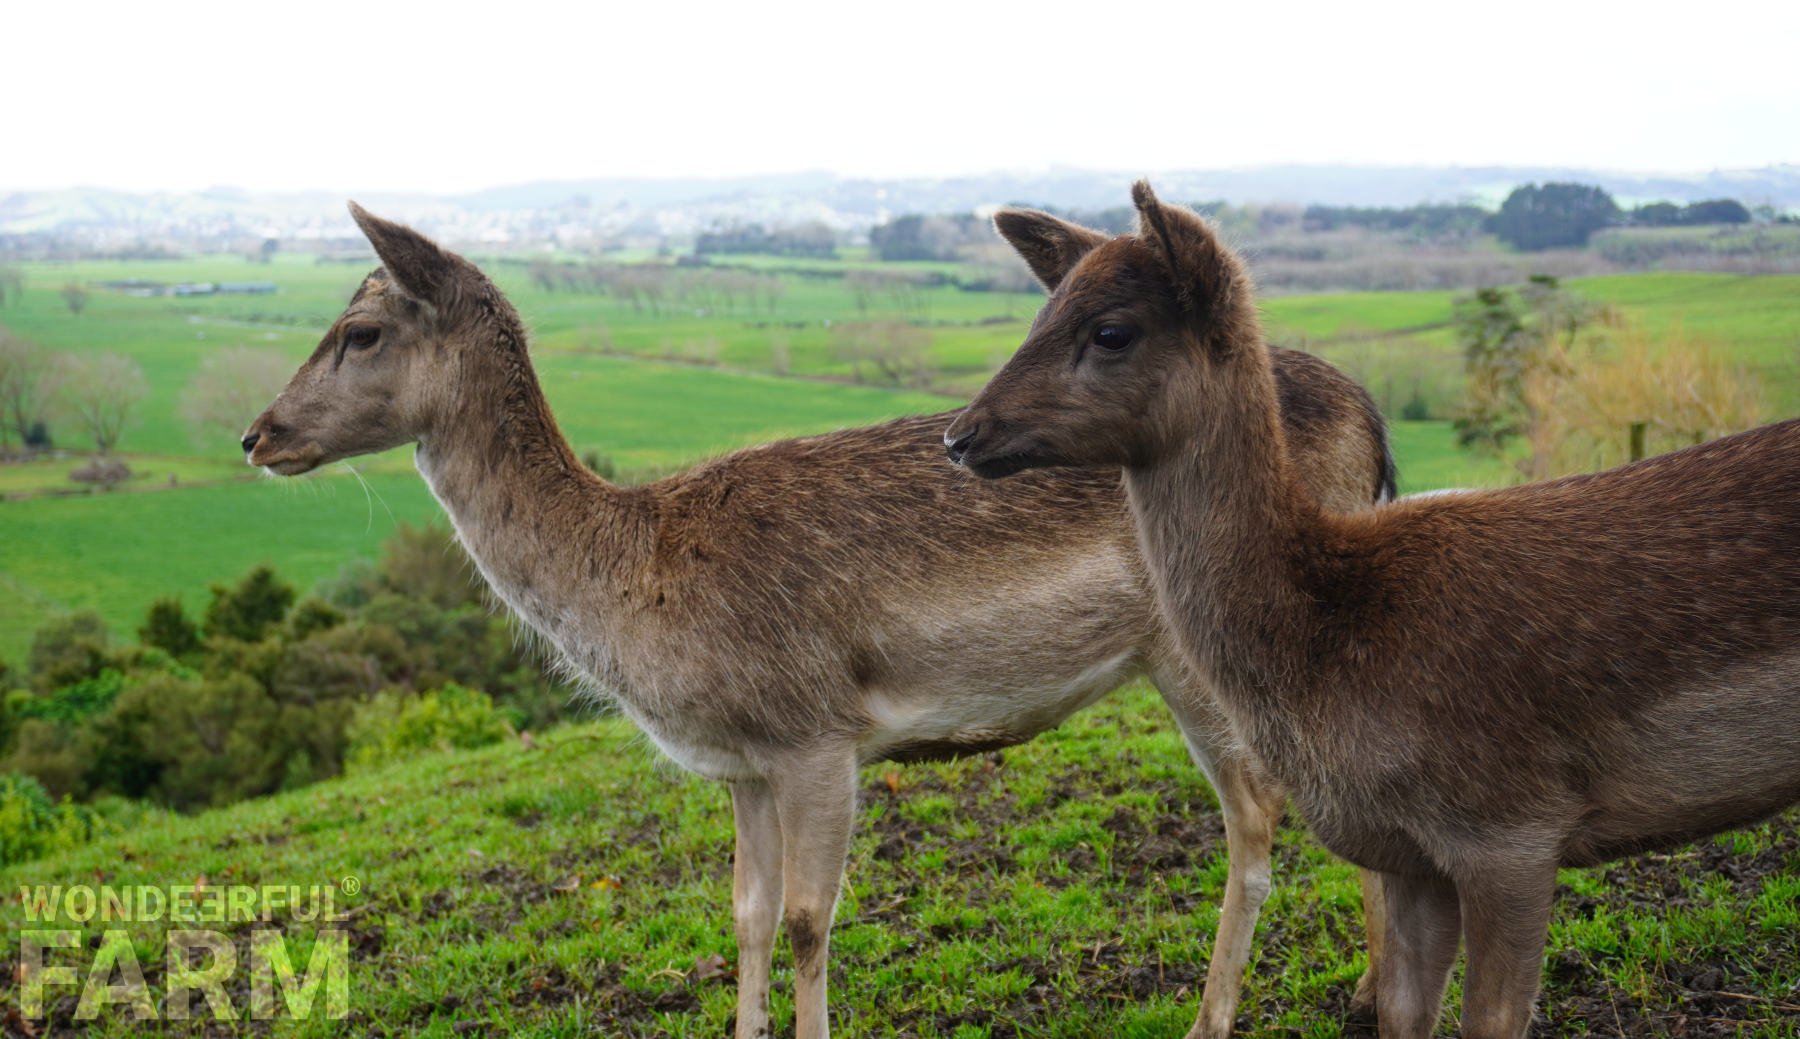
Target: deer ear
{"x":1206,"y":276}
{"x":414,"y":262}
{"x":1050,"y":247}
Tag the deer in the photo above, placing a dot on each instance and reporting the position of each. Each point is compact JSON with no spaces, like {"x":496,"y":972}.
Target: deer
{"x":777,"y":617}
{"x":1463,"y":693}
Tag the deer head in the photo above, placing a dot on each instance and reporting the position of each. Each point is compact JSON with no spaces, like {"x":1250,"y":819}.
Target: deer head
{"x":369,"y":386}
{"x":1115,"y":363}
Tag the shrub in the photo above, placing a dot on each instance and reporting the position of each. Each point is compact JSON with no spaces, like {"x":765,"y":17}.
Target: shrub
{"x":394,"y":726}
{"x":31,"y":824}
{"x":313,"y":614}
{"x":167,"y":628}
{"x":68,"y":650}
{"x":247,"y":610}
{"x":75,"y":701}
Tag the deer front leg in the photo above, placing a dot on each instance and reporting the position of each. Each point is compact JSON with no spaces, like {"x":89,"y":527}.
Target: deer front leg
{"x":1362,"y":1002}
{"x":755,"y":901}
{"x":1505,"y":920}
{"x":815,"y":796}
{"x":1252,"y":810}
{"x":1417,"y":953}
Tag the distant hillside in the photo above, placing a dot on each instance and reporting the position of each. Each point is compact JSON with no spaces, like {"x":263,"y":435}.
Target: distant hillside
{"x":572,"y":209}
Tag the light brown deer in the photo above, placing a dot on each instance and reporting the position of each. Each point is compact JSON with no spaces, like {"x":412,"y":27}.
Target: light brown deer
{"x":778,"y":616}
{"x":1463,"y":692}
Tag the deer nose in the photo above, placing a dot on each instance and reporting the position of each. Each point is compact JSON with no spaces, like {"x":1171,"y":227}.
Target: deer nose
{"x":958,"y":446}
{"x":250,"y":442}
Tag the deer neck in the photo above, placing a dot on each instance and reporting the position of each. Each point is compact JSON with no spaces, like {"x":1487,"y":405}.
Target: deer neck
{"x":546,"y":533}
{"x":1219,"y":520}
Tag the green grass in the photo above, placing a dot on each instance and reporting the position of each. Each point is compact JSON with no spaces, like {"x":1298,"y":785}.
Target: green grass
{"x":1753,"y":318}
{"x":1429,"y":459}
{"x":575,"y":888}
{"x":117,"y":552}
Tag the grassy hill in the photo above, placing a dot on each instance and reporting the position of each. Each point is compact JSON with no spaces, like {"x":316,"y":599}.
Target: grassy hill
{"x":1065,"y":888}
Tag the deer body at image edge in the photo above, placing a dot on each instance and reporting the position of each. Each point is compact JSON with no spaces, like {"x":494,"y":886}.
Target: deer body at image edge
{"x":1463,"y":692}
{"x":779,"y":616}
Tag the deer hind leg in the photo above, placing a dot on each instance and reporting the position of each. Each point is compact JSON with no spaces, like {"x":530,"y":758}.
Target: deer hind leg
{"x":1419,"y":948}
{"x":1505,"y":920}
{"x":815,"y":796}
{"x":755,"y":901}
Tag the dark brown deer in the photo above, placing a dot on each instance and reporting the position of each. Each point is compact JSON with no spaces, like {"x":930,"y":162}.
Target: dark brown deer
{"x":1463,"y":692}
{"x":778,"y":616}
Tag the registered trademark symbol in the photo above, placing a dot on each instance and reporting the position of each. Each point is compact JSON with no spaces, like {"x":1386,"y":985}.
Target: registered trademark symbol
{"x":350,"y":885}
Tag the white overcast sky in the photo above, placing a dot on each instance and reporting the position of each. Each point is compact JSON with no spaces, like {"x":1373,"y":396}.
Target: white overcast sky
{"x":381,"y":95}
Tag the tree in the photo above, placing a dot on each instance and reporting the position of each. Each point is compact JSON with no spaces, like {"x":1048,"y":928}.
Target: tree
{"x":1511,"y":339}
{"x":167,"y":628}
{"x":1490,"y":327}
{"x":915,"y":237}
{"x":67,"y":650}
{"x":25,"y":383}
{"x":249,"y":609}
{"x":1715,"y":211}
{"x":426,"y":562}
{"x":1657,"y":214}
{"x":899,"y":353}
{"x":1553,"y":216}
{"x":1674,"y":392}
{"x":230,"y":388}
{"x":75,"y":296}
{"x":100,"y":390}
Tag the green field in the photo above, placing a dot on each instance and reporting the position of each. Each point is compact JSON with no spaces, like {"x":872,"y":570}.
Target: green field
{"x":650,"y":388}
{"x":1069,"y":888}
{"x":117,"y":552}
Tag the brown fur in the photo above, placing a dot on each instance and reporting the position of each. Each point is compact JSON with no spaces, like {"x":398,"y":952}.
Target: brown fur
{"x":1464,"y":692}
{"x":775,"y":617}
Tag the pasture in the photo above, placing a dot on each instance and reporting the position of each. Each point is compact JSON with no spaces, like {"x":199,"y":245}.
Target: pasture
{"x":193,"y":514}
{"x":649,"y":386}
{"x":1065,"y":888}
{"x":1068,"y":887}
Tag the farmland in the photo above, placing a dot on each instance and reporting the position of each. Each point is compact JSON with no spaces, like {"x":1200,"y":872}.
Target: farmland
{"x":1068,"y":887}
{"x":724,"y":357}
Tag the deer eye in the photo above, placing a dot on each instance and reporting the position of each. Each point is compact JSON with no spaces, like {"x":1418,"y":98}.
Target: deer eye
{"x":361,"y":337}
{"x":1113,"y":336}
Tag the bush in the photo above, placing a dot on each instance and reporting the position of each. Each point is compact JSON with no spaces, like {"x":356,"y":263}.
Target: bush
{"x":265,"y":702}
{"x":394,"y":726}
{"x":247,"y":610}
{"x":31,"y":824}
{"x":68,"y":650}
{"x":75,"y":701}
{"x":167,"y":628}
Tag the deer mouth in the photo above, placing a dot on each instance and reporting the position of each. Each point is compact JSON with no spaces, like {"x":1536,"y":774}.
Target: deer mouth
{"x":286,"y":463}
{"x":1014,"y":456}
{"x":1002,"y":466}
